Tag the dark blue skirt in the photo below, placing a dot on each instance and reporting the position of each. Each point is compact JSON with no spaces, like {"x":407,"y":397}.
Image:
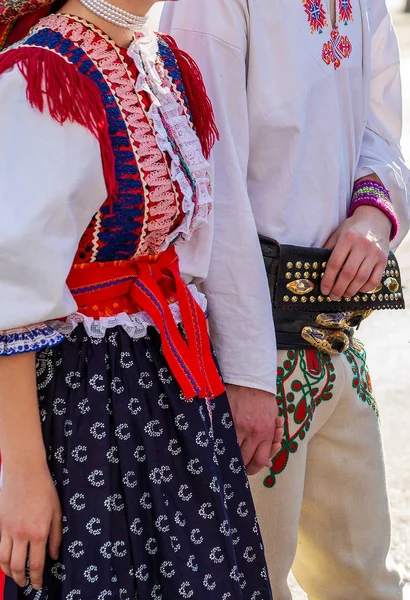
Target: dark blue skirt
{"x":154,"y":494}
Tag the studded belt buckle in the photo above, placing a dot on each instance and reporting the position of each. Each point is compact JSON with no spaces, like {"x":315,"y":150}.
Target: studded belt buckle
{"x":335,"y":330}
{"x":328,"y":341}
{"x":342,"y":320}
{"x":357,"y":316}
{"x":334,"y":320}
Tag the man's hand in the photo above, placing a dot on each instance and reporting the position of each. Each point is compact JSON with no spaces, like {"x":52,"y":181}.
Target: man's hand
{"x":360,"y":250}
{"x":258,"y":427}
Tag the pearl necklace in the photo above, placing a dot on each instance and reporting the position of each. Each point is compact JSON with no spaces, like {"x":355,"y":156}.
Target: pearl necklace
{"x":114,"y":14}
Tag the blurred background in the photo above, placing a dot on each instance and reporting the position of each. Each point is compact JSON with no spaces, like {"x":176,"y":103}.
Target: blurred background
{"x":387,"y":337}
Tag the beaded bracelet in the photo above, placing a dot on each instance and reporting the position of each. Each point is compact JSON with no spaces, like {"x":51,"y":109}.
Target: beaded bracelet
{"x":371,"y":193}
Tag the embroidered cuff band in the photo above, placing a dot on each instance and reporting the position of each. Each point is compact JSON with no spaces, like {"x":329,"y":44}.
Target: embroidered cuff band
{"x":371,"y":193}
{"x":28,"y":339}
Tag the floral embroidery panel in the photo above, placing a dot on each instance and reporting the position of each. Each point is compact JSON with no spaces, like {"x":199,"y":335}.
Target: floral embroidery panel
{"x":338,"y":47}
{"x":345,"y":11}
{"x":316,"y":15}
{"x":335,"y":50}
{"x":306,"y":381}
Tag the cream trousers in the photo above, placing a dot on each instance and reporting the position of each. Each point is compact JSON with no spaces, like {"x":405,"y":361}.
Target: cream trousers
{"x":323,"y":507}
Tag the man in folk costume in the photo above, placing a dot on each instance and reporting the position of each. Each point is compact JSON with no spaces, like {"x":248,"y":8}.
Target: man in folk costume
{"x":308,"y":104}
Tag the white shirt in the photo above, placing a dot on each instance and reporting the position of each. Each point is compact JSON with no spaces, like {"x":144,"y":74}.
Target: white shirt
{"x":51,"y":185}
{"x":297,"y":129}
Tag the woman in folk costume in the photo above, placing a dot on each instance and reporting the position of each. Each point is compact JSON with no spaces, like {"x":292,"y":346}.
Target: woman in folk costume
{"x":122,"y":476}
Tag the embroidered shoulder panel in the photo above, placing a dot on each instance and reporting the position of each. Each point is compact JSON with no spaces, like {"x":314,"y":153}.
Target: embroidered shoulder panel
{"x":101,"y":240}
{"x":152,"y":200}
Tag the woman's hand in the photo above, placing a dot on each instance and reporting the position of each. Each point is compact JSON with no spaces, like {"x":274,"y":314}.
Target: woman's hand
{"x":30,"y":519}
{"x":30,"y":513}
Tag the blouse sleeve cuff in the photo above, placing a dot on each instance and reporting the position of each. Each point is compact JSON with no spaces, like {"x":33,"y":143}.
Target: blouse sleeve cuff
{"x":28,"y":339}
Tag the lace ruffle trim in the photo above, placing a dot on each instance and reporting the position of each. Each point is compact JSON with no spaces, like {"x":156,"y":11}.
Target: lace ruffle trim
{"x":136,"y":326}
{"x":166,"y":113}
{"x":42,"y":335}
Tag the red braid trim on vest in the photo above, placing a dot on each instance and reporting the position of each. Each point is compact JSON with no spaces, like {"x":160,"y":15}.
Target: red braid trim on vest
{"x":201,"y":108}
{"x":70,"y":96}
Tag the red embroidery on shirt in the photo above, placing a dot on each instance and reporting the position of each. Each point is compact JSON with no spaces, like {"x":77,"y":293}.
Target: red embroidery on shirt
{"x":316,"y":15}
{"x":345,"y":11}
{"x":337,"y":49}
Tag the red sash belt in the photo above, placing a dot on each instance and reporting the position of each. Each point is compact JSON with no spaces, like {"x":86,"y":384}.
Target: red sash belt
{"x":150,"y":282}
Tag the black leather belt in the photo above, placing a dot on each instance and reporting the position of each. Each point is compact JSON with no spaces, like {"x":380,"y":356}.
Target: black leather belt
{"x":303,"y":330}
{"x":303,"y":316}
{"x":288,"y":328}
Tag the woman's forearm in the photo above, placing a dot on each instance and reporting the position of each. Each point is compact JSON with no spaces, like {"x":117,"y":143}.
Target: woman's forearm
{"x":21,"y":442}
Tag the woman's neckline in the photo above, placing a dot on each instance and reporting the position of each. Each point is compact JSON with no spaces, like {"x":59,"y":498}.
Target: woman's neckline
{"x":99,"y":31}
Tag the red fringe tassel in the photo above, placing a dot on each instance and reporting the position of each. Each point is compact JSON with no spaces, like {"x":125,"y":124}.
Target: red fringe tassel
{"x":200,"y":104}
{"x":70,"y":96}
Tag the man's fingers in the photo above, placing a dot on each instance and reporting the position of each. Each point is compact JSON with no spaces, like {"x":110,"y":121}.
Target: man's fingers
{"x":254,"y":413}
{"x":332,"y":241}
{"x":375,"y":278}
{"x":280,"y":424}
{"x":351,"y":266}
{"x":277,"y":440}
{"x":36,"y":563}
{"x":334,"y":265}
{"x":240,"y":436}
{"x":248,"y":450}
{"x":18,"y":562}
{"x":362,"y":276}
{"x":260,"y":458}
{"x":6,"y":546}
{"x":276,"y":447}
{"x":349,"y":274}
{"x":258,"y":454}
{"x":280,"y":430}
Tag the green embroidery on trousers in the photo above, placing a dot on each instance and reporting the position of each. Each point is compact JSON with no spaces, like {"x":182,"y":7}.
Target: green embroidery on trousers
{"x":305,"y":381}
